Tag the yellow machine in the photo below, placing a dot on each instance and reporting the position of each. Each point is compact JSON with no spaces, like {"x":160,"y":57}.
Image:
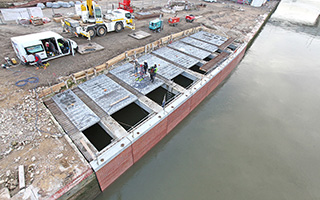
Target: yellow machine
{"x":97,"y":24}
{"x":91,"y":12}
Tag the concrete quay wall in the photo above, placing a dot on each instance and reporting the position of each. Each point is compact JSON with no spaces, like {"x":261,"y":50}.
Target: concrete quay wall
{"x":100,"y":180}
{"x":139,"y":147}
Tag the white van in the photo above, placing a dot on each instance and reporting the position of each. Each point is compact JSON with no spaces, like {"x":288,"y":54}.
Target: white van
{"x":48,"y":45}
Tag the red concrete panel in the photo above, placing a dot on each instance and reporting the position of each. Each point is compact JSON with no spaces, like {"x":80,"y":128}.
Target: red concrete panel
{"x":149,"y":140}
{"x":213,"y":83}
{"x":112,"y":170}
{"x":198,"y":97}
{"x":178,"y":115}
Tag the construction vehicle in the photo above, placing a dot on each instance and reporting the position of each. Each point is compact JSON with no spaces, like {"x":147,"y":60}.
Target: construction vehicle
{"x":27,"y":45}
{"x":190,"y":18}
{"x":125,"y":5}
{"x":173,"y":21}
{"x":95,"y":23}
{"x":156,"y":25}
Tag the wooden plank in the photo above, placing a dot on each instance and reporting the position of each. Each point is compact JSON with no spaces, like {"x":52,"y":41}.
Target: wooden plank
{"x":137,"y":50}
{"x":116,"y":59}
{"x":52,"y":89}
{"x":85,"y":145}
{"x":63,"y":120}
{"x":22,"y":182}
{"x":101,"y":67}
{"x":119,"y":100}
{"x":209,"y":65}
{"x":226,"y":43}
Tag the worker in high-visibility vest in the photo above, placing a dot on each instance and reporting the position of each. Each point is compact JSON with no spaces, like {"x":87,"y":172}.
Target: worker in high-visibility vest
{"x":153,"y":72}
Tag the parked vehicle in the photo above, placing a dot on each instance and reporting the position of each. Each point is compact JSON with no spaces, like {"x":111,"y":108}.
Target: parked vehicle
{"x":174,"y":21}
{"x":156,"y":25}
{"x":190,"y":18}
{"x":116,"y":20}
{"x":48,"y":45}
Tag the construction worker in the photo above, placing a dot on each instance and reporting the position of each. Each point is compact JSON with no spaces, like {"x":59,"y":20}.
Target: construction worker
{"x":52,"y":48}
{"x":38,"y":60}
{"x":140,"y":74}
{"x":61,"y":46}
{"x":153,"y":71}
{"x":145,"y":67}
{"x":136,"y":66}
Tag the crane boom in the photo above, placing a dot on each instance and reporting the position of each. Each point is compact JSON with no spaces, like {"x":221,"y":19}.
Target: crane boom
{"x":90,"y":7}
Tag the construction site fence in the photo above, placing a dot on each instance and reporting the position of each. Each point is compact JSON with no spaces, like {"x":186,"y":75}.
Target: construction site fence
{"x":79,"y":77}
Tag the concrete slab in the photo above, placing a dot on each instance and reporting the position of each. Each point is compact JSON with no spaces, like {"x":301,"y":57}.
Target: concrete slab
{"x":209,"y":38}
{"x":89,"y":48}
{"x":176,"y":57}
{"x":190,"y":50}
{"x":107,"y":94}
{"x":126,"y":74}
{"x":200,"y":44}
{"x":139,"y":35}
{"x":78,"y":112}
{"x":301,"y":12}
{"x":165,"y":69}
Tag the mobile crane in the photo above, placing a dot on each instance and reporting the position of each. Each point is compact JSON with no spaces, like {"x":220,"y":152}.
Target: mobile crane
{"x":93,"y":22}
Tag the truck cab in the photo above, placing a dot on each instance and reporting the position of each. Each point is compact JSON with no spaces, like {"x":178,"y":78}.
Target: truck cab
{"x":48,"y":45}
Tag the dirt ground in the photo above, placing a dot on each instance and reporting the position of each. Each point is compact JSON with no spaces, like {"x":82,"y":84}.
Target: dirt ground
{"x":29,"y":137}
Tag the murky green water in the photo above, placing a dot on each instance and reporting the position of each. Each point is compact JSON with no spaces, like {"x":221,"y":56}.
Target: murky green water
{"x":256,"y":137}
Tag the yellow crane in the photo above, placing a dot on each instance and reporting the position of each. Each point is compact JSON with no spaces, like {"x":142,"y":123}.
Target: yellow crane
{"x":91,"y":12}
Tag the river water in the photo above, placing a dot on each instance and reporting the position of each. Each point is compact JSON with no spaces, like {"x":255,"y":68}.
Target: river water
{"x":257,"y":136}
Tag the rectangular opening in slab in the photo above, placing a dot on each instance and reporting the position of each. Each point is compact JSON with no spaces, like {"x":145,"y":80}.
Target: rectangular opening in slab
{"x":232,"y":47}
{"x":196,"y":68}
{"x":184,"y":80}
{"x":161,"y":93}
{"x":97,"y":136}
{"x":131,"y":115}
{"x":210,"y":57}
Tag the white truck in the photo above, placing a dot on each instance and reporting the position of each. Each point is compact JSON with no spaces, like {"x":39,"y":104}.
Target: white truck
{"x":48,"y":45}
{"x":116,"y":20}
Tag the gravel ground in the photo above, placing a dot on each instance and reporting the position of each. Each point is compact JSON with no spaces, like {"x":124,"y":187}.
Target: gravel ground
{"x":29,"y":137}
